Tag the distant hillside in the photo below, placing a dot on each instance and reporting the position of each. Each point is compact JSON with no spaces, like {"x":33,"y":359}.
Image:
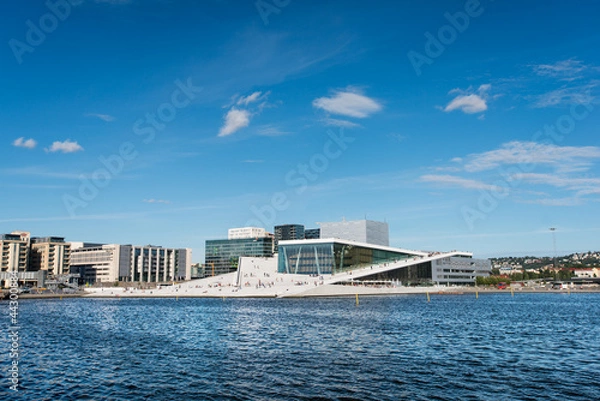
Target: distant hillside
{"x":578,"y":260}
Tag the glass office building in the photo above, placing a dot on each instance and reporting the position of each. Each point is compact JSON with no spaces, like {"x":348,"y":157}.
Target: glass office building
{"x":333,"y":256}
{"x":222,"y":255}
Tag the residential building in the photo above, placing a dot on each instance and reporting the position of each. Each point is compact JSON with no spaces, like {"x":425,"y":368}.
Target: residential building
{"x":14,"y":250}
{"x":51,"y":254}
{"x":312,"y":233}
{"x":289,"y":232}
{"x":366,"y":231}
{"x":14,"y":257}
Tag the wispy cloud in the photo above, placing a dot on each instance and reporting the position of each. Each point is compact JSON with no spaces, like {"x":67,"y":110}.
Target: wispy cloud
{"x":398,"y":137}
{"x":25,"y":143}
{"x":566,"y":69}
{"x":568,"y":201}
{"x":560,"y":167}
{"x":239,"y":117}
{"x":270,"y":130}
{"x":103,"y":117}
{"x":455,"y":181}
{"x":166,"y":202}
{"x":516,"y":152}
{"x":468,"y":102}
{"x":349,"y":103}
{"x":66,"y":146}
{"x":566,"y":96}
{"x":235,"y":120}
{"x":252,"y":161}
{"x":558,"y":180}
{"x":340,"y":123}
{"x":254,"y":97}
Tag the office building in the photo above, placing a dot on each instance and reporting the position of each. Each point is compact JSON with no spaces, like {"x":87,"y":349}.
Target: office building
{"x":288,"y":232}
{"x":51,"y":254}
{"x":154,"y":264}
{"x":98,"y":263}
{"x":222,"y":256}
{"x":145,"y":264}
{"x":366,"y":231}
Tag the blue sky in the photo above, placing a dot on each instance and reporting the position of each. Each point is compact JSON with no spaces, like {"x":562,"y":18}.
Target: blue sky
{"x":465,"y":125}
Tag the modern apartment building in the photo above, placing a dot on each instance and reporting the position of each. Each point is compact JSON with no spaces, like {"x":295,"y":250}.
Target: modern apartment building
{"x":51,"y":254}
{"x":312,"y":233}
{"x":289,"y":232}
{"x":14,"y":257}
{"x":14,"y":251}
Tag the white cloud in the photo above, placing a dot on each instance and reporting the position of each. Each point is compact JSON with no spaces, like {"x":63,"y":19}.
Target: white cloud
{"x":348,"y":103}
{"x":251,"y":98}
{"x":527,"y":153}
{"x":235,"y":120}
{"x":468,"y":102}
{"x":270,"y":130}
{"x":67,"y":146}
{"x":456,"y":181}
{"x":565,"y":69}
{"x":25,"y":143}
{"x":557,"y":180}
{"x":567,"y":96}
{"x":340,"y":123}
{"x":103,"y":117}
{"x":166,"y":202}
{"x":397,"y":137}
{"x":569,"y":201}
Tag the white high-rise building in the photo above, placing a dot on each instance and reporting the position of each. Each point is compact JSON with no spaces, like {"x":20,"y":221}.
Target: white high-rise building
{"x":365,"y":231}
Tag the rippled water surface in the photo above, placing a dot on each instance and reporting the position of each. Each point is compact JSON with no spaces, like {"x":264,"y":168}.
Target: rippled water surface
{"x":497,"y":347}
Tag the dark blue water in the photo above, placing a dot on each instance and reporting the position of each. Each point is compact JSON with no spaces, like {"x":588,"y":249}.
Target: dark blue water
{"x":497,"y":347}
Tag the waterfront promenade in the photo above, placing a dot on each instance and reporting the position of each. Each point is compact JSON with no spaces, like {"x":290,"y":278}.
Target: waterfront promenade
{"x":258,"y":277}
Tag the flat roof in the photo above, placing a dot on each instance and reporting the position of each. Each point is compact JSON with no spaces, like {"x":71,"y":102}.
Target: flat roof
{"x":348,"y":242}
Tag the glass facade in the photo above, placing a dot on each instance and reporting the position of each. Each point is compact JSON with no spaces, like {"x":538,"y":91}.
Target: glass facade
{"x":331,"y":258}
{"x":222,"y":256}
{"x":411,"y":275}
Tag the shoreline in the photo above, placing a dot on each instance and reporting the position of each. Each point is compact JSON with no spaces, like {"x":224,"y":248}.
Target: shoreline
{"x":341,"y":292}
